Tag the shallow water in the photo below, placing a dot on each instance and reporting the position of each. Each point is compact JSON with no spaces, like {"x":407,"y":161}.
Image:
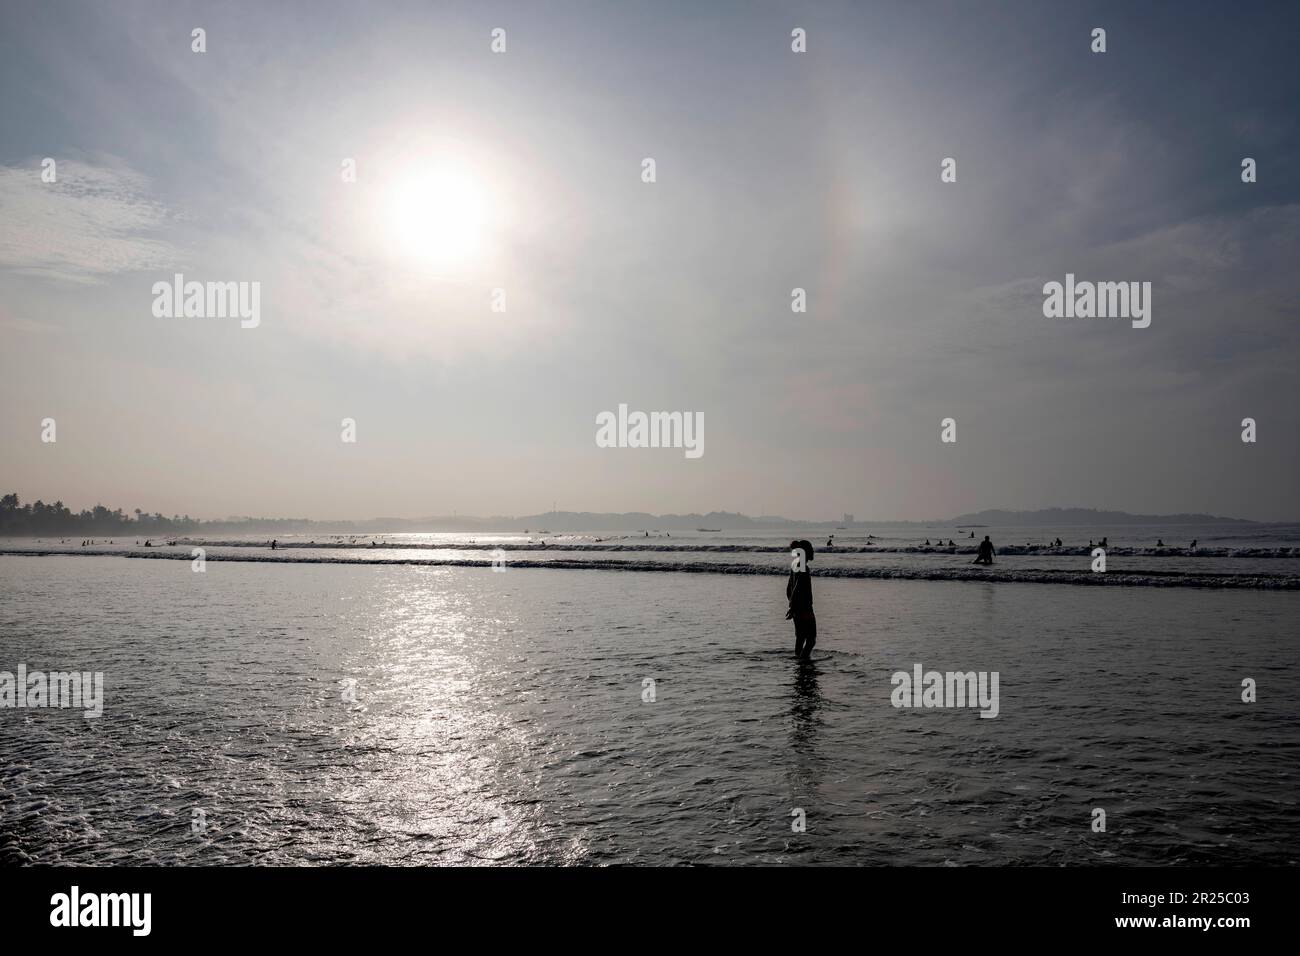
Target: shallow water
{"x":499,"y":718}
{"x":1259,"y":557}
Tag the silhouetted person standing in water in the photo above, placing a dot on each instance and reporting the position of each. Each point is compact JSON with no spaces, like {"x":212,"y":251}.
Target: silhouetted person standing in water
{"x":798,"y":591}
{"x":985,"y":555}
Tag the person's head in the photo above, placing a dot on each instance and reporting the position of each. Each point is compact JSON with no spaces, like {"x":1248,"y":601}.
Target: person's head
{"x":986,"y":537}
{"x":804,"y":545}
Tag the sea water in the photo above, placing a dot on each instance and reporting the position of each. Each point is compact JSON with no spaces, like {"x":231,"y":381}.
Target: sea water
{"x":295,"y":713}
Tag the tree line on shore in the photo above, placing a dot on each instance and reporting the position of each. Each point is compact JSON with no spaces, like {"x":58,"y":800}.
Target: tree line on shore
{"x":38,"y":518}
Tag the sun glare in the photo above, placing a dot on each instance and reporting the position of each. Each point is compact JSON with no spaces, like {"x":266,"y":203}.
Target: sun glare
{"x":437,"y":215}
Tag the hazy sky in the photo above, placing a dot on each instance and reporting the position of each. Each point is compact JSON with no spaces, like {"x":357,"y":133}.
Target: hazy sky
{"x":775,"y":170}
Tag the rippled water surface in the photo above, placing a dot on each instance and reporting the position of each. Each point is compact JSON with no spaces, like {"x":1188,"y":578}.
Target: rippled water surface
{"x":499,"y":717}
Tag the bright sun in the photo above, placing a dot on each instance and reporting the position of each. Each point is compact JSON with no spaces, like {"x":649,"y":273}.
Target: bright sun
{"x":437,"y":215}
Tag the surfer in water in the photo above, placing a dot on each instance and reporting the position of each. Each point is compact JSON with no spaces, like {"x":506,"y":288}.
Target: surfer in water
{"x":798,"y":591}
{"x":985,"y":555}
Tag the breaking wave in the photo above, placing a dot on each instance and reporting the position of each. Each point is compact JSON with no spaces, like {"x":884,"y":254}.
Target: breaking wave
{"x":1003,"y":549}
{"x":1125,"y":578}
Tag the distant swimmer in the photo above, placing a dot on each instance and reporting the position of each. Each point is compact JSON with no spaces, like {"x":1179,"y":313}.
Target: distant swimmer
{"x":972,"y":534}
{"x":798,"y":591}
{"x":1058,"y":542}
{"x":273,"y":544}
{"x":1160,"y":542}
{"x":951,"y":543}
{"x":927,"y":542}
{"x":147,"y":544}
{"x":830,"y":542}
{"x":985,"y":555}
{"x":1103,"y":541}
{"x":1193,"y":546}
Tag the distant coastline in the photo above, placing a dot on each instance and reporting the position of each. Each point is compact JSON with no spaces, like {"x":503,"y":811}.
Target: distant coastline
{"x":39,"y":518}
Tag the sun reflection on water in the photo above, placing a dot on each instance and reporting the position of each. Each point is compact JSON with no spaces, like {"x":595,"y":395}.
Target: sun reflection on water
{"x":423,"y":747}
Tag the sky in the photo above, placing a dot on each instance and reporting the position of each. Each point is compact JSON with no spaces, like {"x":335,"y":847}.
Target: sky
{"x":522,"y":171}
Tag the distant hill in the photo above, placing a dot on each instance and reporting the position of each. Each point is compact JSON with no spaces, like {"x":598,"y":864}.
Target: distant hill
{"x":571,"y":521}
{"x":1082,"y":517}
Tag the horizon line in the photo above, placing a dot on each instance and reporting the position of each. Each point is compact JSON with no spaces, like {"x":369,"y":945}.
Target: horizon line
{"x":692,"y":515}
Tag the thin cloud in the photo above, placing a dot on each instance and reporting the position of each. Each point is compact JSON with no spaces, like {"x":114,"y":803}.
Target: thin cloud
{"x":94,"y":221}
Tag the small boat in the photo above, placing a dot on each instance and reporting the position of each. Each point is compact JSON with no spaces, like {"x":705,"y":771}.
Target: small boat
{"x":708,"y":529}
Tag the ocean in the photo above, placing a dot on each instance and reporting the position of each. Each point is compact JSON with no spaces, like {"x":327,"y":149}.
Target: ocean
{"x":630,"y":699}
